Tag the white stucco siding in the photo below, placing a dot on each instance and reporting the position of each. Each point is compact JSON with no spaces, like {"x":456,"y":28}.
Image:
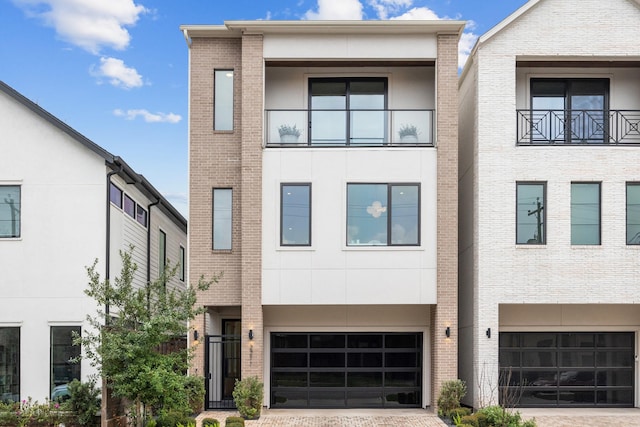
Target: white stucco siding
{"x":62,"y":231}
{"x":350,"y":46}
{"x":329,"y":271}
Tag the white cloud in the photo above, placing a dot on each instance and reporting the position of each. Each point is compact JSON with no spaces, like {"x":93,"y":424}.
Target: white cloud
{"x":118,"y":74}
{"x":384,"y":8}
{"x":336,"y":9}
{"x":466,"y":43}
{"x":420,"y":13}
{"x":89,"y":24}
{"x":147,"y":116}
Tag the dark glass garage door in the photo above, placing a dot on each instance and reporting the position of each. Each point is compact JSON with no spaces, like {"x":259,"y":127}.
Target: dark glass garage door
{"x":567,"y":369}
{"x":346,"y":370}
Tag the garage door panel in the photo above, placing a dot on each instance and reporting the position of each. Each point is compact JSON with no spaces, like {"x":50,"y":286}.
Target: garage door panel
{"x":568,"y":369}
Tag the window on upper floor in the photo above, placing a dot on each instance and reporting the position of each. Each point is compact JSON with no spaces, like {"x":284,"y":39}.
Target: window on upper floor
{"x":348,"y":111}
{"x":633,"y":213}
{"x":295,"y":214}
{"x":10,"y":363}
{"x":182,"y":264}
{"x":162,"y":252}
{"x":223,"y":100}
{"x":129,"y":206}
{"x":585,"y":213}
{"x":569,"y":110}
{"x":63,"y":368}
{"x":383,"y":214}
{"x":10,"y":211}
{"x":115,"y":195}
{"x":141,"y":215}
{"x":222,"y":218}
{"x":530,"y":213}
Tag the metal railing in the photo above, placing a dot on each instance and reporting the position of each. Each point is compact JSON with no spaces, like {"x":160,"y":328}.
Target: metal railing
{"x":578,"y":127}
{"x":349,"y":128}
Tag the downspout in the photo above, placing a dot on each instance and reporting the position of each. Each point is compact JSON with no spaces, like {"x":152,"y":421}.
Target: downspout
{"x":149,"y":206}
{"x":108,"y":238}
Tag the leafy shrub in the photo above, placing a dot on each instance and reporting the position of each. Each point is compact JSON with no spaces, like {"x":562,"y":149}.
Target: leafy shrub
{"x":31,"y":413}
{"x":459,"y":412}
{"x":172,"y":419}
{"x":194,"y":386}
{"x":234,"y":422}
{"x":471,"y":420}
{"x":450,"y":395}
{"x":499,"y":416}
{"x":151,"y":423}
{"x":210,"y":422}
{"x":84,"y":401}
{"x":482,"y":419}
{"x":189,"y":424}
{"x":247,"y":395}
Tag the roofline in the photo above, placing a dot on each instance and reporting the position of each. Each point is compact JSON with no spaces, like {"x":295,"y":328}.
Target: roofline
{"x":235,"y":29}
{"x":111,"y":161}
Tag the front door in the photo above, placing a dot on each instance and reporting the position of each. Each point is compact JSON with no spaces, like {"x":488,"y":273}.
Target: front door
{"x":231,"y":357}
{"x":222,"y":355}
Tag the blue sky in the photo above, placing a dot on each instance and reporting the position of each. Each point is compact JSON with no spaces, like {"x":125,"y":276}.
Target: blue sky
{"x":116,"y":70}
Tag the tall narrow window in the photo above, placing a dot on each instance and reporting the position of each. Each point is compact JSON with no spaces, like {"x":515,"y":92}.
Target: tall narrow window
{"x":129,"y":206}
{"x":10,"y":364}
{"x":182,"y":264}
{"x":295,"y":215}
{"x":223,"y":100}
{"x":10,"y":211}
{"x":63,"y":367}
{"x":141,"y":215}
{"x":633,"y":213}
{"x":162,"y":252}
{"x":585,"y":213}
{"x":530,"y":213}
{"x":222,"y":218}
{"x":383,"y":214}
{"x":115,"y":195}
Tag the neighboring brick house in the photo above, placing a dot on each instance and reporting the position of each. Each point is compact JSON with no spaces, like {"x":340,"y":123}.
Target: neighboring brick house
{"x":550,"y":206}
{"x":64,"y":202}
{"x":337,"y":242}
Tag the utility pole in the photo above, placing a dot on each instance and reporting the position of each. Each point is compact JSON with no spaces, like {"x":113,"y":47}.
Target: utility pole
{"x":538,"y":213}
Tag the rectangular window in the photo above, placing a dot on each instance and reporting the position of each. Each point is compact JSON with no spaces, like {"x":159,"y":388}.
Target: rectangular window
{"x":63,"y":368}
{"x":295,"y":215}
{"x":10,"y":364}
{"x":633,"y":213}
{"x":141,"y":215}
{"x":222,"y":218}
{"x":585,"y":213}
{"x":162,"y":252}
{"x":10,"y":211}
{"x":383,"y":214}
{"x":182,"y":264}
{"x":530,"y":213}
{"x":129,"y":206}
{"x":223,"y":100}
{"x":115,"y":195}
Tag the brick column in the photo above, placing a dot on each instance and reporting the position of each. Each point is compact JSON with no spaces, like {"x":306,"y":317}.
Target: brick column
{"x":445,"y":313}
{"x":251,"y":204}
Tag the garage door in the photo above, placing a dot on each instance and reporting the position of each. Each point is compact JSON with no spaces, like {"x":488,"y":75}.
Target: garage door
{"x":567,"y":369}
{"x":346,"y":370}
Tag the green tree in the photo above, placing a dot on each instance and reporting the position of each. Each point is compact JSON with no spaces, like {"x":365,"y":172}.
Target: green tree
{"x":126,"y":345}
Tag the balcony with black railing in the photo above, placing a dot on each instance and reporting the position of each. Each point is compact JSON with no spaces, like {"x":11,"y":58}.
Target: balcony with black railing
{"x":578,"y":127}
{"x":349,"y":128}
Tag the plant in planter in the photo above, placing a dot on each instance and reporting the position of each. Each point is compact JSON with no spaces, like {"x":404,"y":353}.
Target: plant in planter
{"x":289,"y":133}
{"x":408,"y":133}
{"x":247,"y":395}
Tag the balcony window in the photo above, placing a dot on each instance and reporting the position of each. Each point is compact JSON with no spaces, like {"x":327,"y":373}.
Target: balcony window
{"x":383,"y":214}
{"x":295,"y":215}
{"x":633,"y":213}
{"x":530,"y":213}
{"x":348,"y":111}
{"x":568,"y":111}
{"x":585,"y":213}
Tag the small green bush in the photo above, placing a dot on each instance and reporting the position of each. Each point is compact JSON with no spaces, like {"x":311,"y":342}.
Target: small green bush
{"x":194,"y":387}
{"x":471,"y":420}
{"x":459,"y":412}
{"x":450,"y":395}
{"x":234,"y":422}
{"x":247,"y":395}
{"x":172,"y":419}
{"x":151,"y":423}
{"x":84,"y":401}
{"x":210,"y":422}
{"x":482,"y":419}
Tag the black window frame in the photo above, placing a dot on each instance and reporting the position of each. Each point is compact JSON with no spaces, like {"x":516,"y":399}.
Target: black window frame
{"x":162,"y":252}
{"x":144,"y":219}
{"x":213,"y":210}
{"x":72,"y":350}
{"x":347,"y":81}
{"x":636,"y":237}
{"x":216,"y":101}
{"x":389,"y":214}
{"x":183,"y":258}
{"x":599,"y":184}
{"x":543,"y":221}
{"x":16,"y":232}
{"x":309,"y":218}
{"x":113,"y":188}
{"x":10,"y":357}
{"x":126,"y":198}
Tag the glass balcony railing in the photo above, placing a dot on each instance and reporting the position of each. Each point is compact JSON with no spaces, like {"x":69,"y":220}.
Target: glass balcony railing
{"x":588,"y":127}
{"x":349,"y":128}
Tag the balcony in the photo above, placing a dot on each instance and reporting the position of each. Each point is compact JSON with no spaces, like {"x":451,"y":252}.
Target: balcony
{"x":349,"y":128}
{"x":578,"y":127}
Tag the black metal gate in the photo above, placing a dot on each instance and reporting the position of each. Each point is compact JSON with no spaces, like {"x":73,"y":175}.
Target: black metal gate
{"x":222,"y":368}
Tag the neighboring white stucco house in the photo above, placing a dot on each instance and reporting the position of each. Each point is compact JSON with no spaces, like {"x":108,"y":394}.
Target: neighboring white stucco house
{"x":550,"y":205}
{"x":64,"y":202}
